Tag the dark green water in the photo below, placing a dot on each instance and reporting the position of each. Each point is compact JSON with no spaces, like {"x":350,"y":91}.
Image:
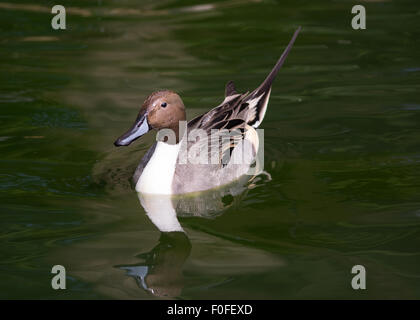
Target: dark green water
{"x":342,"y":145}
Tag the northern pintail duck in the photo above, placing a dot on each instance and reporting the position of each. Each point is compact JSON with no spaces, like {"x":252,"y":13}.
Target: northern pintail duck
{"x":163,"y":169}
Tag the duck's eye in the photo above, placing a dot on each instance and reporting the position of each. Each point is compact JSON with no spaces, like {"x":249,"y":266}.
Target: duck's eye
{"x":163,"y":105}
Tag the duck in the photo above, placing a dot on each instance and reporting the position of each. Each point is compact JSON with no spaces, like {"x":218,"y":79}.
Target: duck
{"x":183,"y":160}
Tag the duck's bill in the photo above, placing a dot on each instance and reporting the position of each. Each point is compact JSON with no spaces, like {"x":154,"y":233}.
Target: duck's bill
{"x":139,"y":128}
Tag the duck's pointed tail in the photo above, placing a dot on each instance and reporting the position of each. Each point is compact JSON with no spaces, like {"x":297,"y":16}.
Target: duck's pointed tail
{"x":258,"y":99}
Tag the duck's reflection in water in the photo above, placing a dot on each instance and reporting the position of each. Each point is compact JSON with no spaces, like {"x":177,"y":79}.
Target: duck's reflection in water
{"x":161,"y":271}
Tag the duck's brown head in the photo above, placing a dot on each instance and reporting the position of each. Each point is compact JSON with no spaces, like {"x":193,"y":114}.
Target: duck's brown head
{"x":161,"y":110}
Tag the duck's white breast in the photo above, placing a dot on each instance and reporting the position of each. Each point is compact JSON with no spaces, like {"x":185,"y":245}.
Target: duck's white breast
{"x":158,"y":174}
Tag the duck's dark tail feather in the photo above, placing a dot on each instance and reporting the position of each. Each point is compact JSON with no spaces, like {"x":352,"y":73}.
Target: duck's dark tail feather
{"x":258,"y":99}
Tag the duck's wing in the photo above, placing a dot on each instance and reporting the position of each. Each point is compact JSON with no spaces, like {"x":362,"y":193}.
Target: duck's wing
{"x":224,"y":111}
{"x":225,"y":126}
{"x":226,"y":135}
{"x":230,"y":89}
{"x":219,"y":140}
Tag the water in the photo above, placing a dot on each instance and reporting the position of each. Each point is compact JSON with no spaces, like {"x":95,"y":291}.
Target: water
{"x":342,"y":145}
